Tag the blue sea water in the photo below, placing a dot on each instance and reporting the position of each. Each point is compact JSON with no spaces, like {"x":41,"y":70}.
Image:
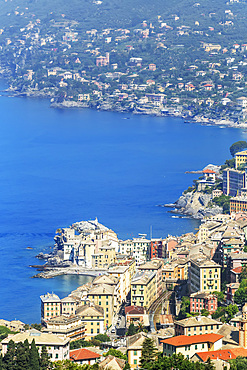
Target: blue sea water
{"x":62,"y":166}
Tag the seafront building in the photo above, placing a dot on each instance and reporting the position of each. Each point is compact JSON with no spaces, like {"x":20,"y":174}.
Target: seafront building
{"x":50,"y":306}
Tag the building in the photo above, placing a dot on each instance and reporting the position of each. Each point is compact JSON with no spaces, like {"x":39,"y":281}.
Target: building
{"x":157,"y":249}
{"x":68,"y":306}
{"x":203,"y":301}
{"x":238,"y":204}
{"x":222,"y":355}
{"x":196,"y":326}
{"x":103,"y":295}
{"x":103,"y":61}
{"x":189,"y":345}
{"x":50,"y":306}
{"x":233,"y":181}
{"x":204,"y":276}
{"x":154,"y":266}
{"x":143,"y":289}
{"x":231,"y":290}
{"x":112,"y":363}
{"x":134,"y":349}
{"x":104,"y":257}
{"x":138,"y":248}
{"x":243,"y":328}
{"x":135,"y":315}
{"x":57,"y":346}
{"x":240,"y":158}
{"x":83,"y":356}
{"x":93,"y":318}
{"x":70,"y":326}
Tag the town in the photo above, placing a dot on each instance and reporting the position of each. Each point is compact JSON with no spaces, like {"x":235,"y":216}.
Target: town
{"x":186,"y":295}
{"x":195,"y":70}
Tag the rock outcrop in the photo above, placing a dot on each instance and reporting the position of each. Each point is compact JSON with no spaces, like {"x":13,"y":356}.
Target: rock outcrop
{"x":196,"y":204}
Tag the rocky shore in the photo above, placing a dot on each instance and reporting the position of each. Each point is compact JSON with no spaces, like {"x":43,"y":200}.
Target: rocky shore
{"x":195,"y":204}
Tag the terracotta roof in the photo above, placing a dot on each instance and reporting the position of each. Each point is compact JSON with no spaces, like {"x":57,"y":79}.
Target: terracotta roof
{"x":223,"y":354}
{"x":207,"y":170}
{"x":131,"y":310}
{"x":82,"y":354}
{"x":185,"y":340}
{"x":237,"y":270}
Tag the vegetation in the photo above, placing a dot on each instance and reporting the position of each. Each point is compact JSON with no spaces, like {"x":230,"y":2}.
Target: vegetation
{"x":176,"y":362}
{"x":4,"y":332}
{"x":225,"y":314}
{"x":69,"y":365}
{"x":149,"y":353}
{"x":223,"y":201}
{"x":23,"y":356}
{"x":239,"y":363}
{"x":133,"y":329}
{"x":240,"y":296}
{"x":116,"y":353}
{"x":237,"y":146}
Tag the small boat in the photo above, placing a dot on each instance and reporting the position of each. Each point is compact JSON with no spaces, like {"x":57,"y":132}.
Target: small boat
{"x":29,"y":248}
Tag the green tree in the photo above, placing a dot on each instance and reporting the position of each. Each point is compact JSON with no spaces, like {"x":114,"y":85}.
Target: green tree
{"x":9,"y":358}
{"x":34,"y":359}
{"x":131,"y":330}
{"x":116,"y":353}
{"x":237,"y":146}
{"x":231,"y":310}
{"x":21,"y":357}
{"x":44,"y":359}
{"x":220,"y":296}
{"x":239,"y":363}
{"x":102,"y":338}
{"x":240,"y":296}
{"x":149,"y":352}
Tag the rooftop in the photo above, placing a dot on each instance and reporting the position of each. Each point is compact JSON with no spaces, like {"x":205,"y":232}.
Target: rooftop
{"x":185,"y":340}
{"x":83,"y":354}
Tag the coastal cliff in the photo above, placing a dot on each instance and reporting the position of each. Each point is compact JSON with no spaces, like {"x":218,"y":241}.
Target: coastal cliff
{"x":196,"y":204}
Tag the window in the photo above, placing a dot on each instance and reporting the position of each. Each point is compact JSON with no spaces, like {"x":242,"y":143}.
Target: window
{"x":195,"y":346}
{"x":97,"y":331}
{"x":56,"y":355}
{"x":135,"y":362}
{"x":91,"y":331}
{"x":135,"y":353}
{"x":202,"y":345}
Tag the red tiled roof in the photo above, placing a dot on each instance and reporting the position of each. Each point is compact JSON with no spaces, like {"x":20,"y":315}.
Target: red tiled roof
{"x":237,"y":270}
{"x":208,"y":171}
{"x":82,"y":354}
{"x":134,"y":310}
{"x":185,"y":340}
{"x":223,"y":354}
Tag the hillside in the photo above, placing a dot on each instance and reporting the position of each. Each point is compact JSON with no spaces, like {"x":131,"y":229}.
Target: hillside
{"x":114,"y":13}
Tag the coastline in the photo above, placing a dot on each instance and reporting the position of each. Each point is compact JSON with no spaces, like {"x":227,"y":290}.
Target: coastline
{"x":164,"y":111}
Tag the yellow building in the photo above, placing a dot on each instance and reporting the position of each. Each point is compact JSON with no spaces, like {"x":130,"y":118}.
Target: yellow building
{"x":196,"y":326}
{"x":93,"y":319}
{"x":238,"y":204}
{"x":205,"y":276}
{"x":143,"y":289}
{"x":124,"y":272}
{"x":103,"y":295}
{"x":104,"y":257}
{"x":134,"y":349}
{"x":50,"y":306}
{"x":240,"y":158}
{"x":68,"y":306}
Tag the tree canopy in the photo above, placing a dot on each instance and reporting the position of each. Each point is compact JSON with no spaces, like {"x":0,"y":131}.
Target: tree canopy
{"x":237,"y":146}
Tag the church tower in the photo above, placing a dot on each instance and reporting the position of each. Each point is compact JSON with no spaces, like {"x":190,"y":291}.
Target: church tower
{"x":243,"y":328}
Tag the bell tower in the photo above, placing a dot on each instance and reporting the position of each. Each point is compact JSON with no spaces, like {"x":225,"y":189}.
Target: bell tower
{"x":243,"y":328}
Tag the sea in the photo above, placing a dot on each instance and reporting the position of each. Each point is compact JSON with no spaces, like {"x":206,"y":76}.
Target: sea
{"x":59,"y":166}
